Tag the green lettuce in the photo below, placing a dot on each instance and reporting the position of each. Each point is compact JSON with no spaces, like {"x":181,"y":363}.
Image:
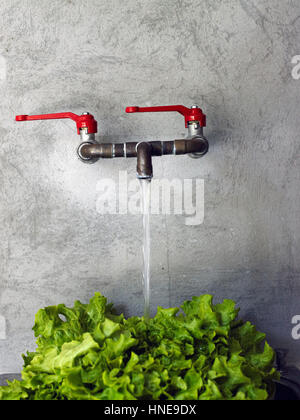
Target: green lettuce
{"x":201,"y":352}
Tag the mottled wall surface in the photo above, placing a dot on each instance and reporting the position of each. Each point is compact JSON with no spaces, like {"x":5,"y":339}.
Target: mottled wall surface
{"x":232,"y":57}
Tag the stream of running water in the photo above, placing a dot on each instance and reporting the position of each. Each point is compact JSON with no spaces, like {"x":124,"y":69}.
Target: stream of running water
{"x":146,"y":209}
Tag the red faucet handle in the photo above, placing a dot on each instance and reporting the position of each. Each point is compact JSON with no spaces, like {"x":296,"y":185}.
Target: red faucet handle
{"x":190,"y":114}
{"x":85,"y":121}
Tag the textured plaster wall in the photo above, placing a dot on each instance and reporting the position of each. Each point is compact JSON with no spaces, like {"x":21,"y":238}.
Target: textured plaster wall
{"x":232,"y":57}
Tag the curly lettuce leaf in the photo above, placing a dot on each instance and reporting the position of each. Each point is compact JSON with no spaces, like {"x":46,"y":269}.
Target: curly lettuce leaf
{"x":89,"y":353}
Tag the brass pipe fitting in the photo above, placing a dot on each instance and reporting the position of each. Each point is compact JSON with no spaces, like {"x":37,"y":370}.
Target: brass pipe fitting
{"x":91,"y":152}
{"x":144,"y":161}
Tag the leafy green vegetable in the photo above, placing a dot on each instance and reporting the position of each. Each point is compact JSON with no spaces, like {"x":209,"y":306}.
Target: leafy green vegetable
{"x":90,"y":353}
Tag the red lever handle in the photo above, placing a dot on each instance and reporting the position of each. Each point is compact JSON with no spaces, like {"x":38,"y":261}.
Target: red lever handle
{"x":190,"y":114}
{"x":85,"y":121}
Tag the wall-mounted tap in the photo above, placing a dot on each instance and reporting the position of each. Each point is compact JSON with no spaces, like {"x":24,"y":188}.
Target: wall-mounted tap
{"x":195,"y":119}
{"x":87,"y":126}
{"x":90,"y":151}
{"x":86,"y":123}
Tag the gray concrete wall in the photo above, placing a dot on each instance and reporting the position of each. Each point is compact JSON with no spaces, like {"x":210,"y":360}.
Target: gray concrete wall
{"x":232,"y":57}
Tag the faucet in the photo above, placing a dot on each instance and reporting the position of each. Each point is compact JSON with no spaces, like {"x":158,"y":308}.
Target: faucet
{"x":89,"y":151}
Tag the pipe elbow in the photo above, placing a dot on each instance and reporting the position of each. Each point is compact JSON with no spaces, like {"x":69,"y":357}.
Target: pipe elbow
{"x":144,"y":161}
{"x":198,"y":147}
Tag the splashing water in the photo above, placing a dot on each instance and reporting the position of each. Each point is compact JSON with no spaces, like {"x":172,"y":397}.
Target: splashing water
{"x":146,"y":205}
